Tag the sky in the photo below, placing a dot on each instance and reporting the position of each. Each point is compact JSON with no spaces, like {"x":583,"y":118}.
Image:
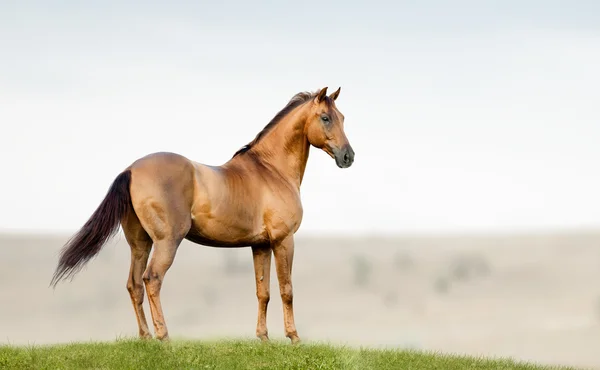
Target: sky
{"x":465,"y":116}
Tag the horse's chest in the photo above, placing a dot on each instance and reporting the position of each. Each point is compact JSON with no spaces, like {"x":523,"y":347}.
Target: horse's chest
{"x":282,"y":215}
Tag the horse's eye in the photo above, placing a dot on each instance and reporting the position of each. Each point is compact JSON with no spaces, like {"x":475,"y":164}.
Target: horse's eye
{"x":325,"y":119}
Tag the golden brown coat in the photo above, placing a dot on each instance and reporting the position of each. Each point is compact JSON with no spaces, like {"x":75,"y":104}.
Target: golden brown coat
{"x":253,"y":200}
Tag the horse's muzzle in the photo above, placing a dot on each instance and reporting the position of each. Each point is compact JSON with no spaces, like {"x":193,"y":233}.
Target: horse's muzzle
{"x":344,"y":157}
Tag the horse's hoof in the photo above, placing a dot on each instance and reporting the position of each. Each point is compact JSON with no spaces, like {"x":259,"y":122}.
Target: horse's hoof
{"x":164,"y":338}
{"x":145,"y":336}
{"x":295,"y":340}
{"x":263,"y":338}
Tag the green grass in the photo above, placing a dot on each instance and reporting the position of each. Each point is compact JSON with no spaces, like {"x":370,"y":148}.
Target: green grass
{"x":232,"y":354}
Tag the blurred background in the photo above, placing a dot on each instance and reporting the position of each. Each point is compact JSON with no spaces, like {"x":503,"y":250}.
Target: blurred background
{"x":469,"y":222}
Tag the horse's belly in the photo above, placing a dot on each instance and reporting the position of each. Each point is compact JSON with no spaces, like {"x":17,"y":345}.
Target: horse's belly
{"x":221,"y":232}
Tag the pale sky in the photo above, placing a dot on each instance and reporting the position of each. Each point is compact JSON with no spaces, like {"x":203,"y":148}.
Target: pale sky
{"x":464,"y":115}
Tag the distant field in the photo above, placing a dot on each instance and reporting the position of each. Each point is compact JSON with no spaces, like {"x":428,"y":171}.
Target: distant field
{"x":530,"y":297}
{"x":134,"y":354}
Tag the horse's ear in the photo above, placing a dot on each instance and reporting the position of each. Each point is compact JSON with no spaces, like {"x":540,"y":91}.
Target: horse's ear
{"x":334,"y":95}
{"x":321,"y":95}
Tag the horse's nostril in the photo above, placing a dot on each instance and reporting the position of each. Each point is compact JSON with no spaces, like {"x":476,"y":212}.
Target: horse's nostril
{"x":346,"y":158}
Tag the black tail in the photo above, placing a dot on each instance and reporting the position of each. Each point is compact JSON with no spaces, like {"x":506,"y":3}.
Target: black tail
{"x":103,"y":224}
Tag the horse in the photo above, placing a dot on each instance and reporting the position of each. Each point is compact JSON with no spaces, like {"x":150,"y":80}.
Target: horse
{"x":252,"y":200}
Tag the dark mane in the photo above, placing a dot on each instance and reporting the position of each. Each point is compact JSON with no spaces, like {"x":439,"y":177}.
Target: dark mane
{"x":294,"y":102}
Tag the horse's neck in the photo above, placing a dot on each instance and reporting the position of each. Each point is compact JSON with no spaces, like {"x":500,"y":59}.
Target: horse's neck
{"x":285,"y":148}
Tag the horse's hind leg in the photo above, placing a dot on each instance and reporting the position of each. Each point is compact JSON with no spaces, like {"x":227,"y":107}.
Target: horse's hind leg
{"x":162,"y":259}
{"x":140,"y":244}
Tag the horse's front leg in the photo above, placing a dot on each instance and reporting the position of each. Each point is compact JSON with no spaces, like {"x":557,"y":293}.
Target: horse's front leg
{"x":284,"y":255}
{"x":262,"y":273}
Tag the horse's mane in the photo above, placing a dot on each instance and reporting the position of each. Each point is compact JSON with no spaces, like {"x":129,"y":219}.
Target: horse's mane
{"x":295,"y":101}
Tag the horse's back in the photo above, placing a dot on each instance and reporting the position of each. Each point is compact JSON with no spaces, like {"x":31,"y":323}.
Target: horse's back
{"x":163,"y":169}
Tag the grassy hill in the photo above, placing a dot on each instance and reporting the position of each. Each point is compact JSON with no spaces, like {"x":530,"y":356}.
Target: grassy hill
{"x":232,"y":354}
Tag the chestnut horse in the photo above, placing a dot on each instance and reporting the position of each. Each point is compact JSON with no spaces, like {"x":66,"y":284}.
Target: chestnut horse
{"x":253,"y":200}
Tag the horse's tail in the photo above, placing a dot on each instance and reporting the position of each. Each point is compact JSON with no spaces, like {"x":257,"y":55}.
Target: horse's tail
{"x":102,"y":225}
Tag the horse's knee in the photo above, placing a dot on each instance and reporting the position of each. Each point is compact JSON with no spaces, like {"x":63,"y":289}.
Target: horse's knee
{"x":150,"y":276}
{"x":287,"y":294}
{"x":263,"y":296}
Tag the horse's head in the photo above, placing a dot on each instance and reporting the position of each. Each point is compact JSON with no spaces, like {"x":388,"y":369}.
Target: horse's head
{"x":325,"y":128}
